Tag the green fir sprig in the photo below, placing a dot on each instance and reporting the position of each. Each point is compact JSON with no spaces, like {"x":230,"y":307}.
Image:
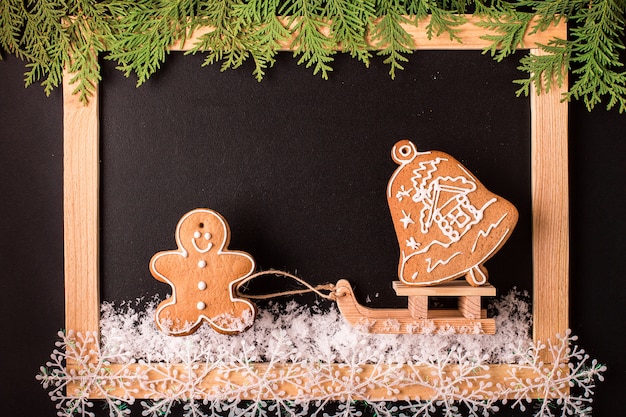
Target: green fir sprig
{"x":390,"y":38}
{"x":54,"y":35}
{"x":143,"y":32}
{"x":442,"y":19}
{"x":597,"y":40}
{"x":545,"y":70}
{"x":311,"y":43}
{"x":509,"y":29}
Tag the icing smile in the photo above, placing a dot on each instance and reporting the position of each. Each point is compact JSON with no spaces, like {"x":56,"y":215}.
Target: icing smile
{"x":194,"y":242}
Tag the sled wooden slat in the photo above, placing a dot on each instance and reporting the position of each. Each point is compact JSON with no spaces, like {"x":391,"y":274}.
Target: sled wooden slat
{"x":447,"y":289}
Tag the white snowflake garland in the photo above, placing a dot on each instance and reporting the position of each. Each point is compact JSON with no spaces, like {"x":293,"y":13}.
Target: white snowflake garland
{"x":290,"y":346}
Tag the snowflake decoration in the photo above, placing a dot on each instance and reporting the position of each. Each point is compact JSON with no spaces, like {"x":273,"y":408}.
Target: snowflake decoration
{"x":332,"y":368}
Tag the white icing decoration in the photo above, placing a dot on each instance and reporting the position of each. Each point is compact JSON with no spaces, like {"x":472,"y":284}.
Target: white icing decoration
{"x":469,"y":174}
{"x":487,"y":256}
{"x":202,"y":285}
{"x":477,"y":272}
{"x":201,"y":263}
{"x":427,"y":248}
{"x":207,"y":236}
{"x":456,"y":205}
{"x":402,"y":192}
{"x":406,"y":220}
{"x":430,"y":267}
{"x":405,"y":150}
{"x":402,"y":163}
{"x":196,"y":247}
{"x":200,"y":305}
{"x":197,"y":235}
{"x":423,"y":167}
{"x":411,"y":243}
{"x":485,"y":233}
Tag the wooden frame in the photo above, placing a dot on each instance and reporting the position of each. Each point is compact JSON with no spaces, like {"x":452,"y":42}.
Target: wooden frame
{"x":549,"y":203}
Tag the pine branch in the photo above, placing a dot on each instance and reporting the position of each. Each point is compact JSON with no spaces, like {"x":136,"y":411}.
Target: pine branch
{"x":545,"y":71}
{"x":13,"y":17}
{"x":142,"y":34}
{"x":262,"y":32}
{"x":268,"y":36}
{"x":48,"y":44}
{"x":596,"y":46}
{"x":550,"y":13}
{"x":509,"y":29}
{"x":443,"y":19}
{"x":242,"y":30}
{"x":350,"y":20}
{"x":87,"y":29}
{"x":311,"y":41}
{"x":51,"y":35}
{"x":390,"y":38}
{"x":224,"y":41}
{"x":493,"y":8}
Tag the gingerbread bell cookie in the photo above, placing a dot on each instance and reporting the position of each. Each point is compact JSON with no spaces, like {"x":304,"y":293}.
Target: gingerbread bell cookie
{"x":203,"y":275}
{"x":447,"y":223}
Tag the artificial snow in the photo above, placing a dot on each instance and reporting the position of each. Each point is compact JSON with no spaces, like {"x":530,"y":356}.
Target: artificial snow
{"x":331,"y":367}
{"x":316,"y":334}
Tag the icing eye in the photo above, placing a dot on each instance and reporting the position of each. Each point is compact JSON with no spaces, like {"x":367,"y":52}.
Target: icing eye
{"x":207,"y":235}
{"x":197,"y":235}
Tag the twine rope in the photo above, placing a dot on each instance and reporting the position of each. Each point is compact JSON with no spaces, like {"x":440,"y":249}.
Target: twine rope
{"x":309,"y":288}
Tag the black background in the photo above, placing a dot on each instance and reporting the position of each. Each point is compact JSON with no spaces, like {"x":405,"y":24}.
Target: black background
{"x":298,"y":166}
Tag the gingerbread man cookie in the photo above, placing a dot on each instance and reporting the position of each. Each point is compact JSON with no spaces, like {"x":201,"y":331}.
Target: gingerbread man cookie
{"x":203,"y":274}
{"x":447,"y":223}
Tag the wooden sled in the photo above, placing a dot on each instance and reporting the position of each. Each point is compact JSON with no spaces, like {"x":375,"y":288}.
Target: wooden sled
{"x":417,"y":318}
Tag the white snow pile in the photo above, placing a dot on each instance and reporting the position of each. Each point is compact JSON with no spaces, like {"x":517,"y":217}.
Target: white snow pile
{"x":315,"y":334}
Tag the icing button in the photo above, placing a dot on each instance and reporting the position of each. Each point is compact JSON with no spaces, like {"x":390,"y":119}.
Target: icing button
{"x":202,"y":285}
{"x":200,"y":305}
{"x":202,"y":263}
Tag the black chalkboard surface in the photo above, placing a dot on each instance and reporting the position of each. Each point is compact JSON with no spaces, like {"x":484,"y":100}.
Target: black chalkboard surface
{"x":299,"y":165}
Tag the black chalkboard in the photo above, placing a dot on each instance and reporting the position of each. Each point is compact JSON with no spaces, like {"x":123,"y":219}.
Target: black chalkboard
{"x":299,"y":165}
